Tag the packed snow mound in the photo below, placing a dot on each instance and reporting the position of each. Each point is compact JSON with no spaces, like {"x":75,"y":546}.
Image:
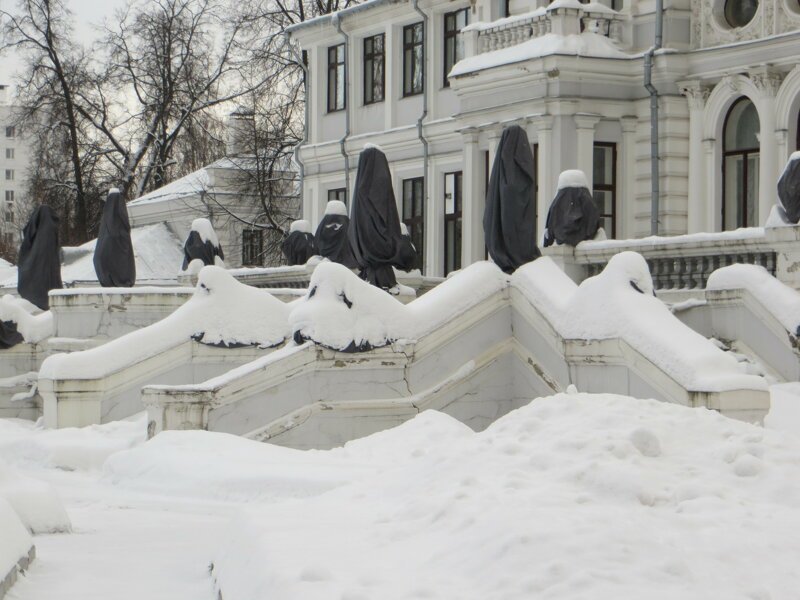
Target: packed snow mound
{"x":572,"y":178}
{"x":777,"y":297}
{"x":619,"y":303}
{"x":221,"y":466}
{"x":572,"y":496}
{"x":16,"y":540}
{"x":24,"y":444}
{"x":336,"y":207}
{"x":36,"y":502}
{"x":343,"y":312}
{"x":33,"y":327}
{"x":222,"y":312}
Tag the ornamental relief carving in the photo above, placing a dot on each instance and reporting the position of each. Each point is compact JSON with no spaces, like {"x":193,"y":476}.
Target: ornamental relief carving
{"x":710,"y":26}
{"x":787,"y":16}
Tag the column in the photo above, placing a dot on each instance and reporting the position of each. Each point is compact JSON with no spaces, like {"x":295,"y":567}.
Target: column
{"x":493,"y":135}
{"x":767,"y":83}
{"x":585,"y":124}
{"x":544,"y":172}
{"x":696,"y":95}
{"x":711,"y":208}
{"x":473,"y":199}
{"x":626,"y":202}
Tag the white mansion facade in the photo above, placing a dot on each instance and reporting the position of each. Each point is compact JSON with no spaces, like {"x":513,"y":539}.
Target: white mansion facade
{"x":572,"y":74}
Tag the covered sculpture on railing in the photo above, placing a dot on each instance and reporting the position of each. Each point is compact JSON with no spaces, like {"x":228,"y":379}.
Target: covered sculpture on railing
{"x":406,"y":258}
{"x":114,"y":260}
{"x":299,"y":245}
{"x":331,"y":238}
{"x":202,"y":246}
{"x":789,"y":190}
{"x":573,"y":216}
{"x":509,"y":219}
{"x":375,"y":234}
{"x":39,"y":261}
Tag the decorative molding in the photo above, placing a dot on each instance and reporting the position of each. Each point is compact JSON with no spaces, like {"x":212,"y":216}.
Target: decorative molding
{"x":766,"y":81}
{"x":696,"y":93}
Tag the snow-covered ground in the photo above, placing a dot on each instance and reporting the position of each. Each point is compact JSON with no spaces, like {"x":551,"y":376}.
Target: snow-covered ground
{"x":573,"y":496}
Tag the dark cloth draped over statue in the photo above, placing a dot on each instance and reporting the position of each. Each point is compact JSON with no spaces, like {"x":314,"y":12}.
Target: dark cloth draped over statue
{"x":114,"y":261}
{"x":332,"y":242}
{"x":39,"y":261}
{"x":572,"y":218}
{"x":789,"y":189}
{"x":509,"y":219}
{"x":298,"y":247}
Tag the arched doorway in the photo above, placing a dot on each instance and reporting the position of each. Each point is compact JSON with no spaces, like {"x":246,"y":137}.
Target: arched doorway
{"x":740,"y":163}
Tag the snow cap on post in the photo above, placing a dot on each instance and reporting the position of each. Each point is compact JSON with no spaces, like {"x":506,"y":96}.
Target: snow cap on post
{"x":573,"y":216}
{"x":202,"y":244}
{"x":509,"y":220}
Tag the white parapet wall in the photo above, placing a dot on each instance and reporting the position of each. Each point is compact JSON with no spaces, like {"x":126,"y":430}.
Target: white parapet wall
{"x":475,"y":364}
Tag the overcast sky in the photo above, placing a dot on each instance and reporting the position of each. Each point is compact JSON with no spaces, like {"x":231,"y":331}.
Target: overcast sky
{"x":87,"y":15}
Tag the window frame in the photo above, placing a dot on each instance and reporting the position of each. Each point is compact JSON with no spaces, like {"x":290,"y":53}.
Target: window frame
{"x":451,"y":36}
{"x":9,"y":174}
{"x":11,"y":132}
{"x":456,"y":217}
{"x":334,"y":193}
{"x":745,"y":154}
{"x":608,"y":187}
{"x":10,"y":154}
{"x":408,"y":53}
{"x":369,"y":68}
{"x":335,"y":70}
{"x":247,"y":246}
{"x":416,"y":220}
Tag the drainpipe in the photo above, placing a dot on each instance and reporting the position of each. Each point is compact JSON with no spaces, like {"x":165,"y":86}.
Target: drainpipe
{"x":337,"y":22}
{"x":302,"y":168}
{"x":655,"y":183}
{"x":424,"y":114}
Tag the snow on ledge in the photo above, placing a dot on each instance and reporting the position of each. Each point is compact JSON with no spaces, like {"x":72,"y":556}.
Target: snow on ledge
{"x":584,"y":44}
{"x":619,"y":303}
{"x":222,"y":311}
{"x":778,"y":298}
{"x":33,"y":328}
{"x":743,"y":233}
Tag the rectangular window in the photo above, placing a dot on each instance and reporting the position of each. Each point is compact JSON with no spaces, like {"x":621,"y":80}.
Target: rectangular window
{"x":604,"y":185}
{"x":10,"y":196}
{"x":453,"y":42}
{"x":616,"y":5}
{"x":11,"y":131}
{"x":413,"y":59}
{"x":252,"y":247}
{"x":9,"y":174}
{"x":336,"y":99}
{"x":338,"y":194}
{"x":373,"y":69}
{"x":452,"y":221}
{"x":9,"y":153}
{"x":414,"y":214}
{"x":9,"y":213}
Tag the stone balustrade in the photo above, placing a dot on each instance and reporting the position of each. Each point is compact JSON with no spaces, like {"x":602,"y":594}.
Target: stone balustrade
{"x":685,"y":262}
{"x":564,"y":19}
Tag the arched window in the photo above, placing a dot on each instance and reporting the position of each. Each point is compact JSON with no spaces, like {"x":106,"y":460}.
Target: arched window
{"x":740,"y":166}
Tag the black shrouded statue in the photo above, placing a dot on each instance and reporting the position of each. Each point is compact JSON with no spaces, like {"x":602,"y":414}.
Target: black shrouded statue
{"x":201,"y":244}
{"x":573,"y":215}
{"x":299,"y":245}
{"x":789,"y":188}
{"x":114,"y":261}
{"x":39,"y":265}
{"x":374,"y":232}
{"x":331,"y":237}
{"x":509,"y":220}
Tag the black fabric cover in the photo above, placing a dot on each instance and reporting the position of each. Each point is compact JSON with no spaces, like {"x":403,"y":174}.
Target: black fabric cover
{"x":195,"y":247}
{"x":39,"y":266}
{"x":113,"y":254}
{"x":789,"y":189}
{"x":374,"y":232}
{"x":298,"y":247}
{"x":9,"y":336}
{"x":332,"y":242}
{"x":509,"y":219}
{"x":406,"y":258}
{"x":572,"y":217}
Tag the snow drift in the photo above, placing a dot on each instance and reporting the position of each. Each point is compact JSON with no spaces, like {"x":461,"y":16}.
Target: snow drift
{"x":36,"y":502}
{"x":222,"y":312}
{"x":16,"y":540}
{"x":579,"y":495}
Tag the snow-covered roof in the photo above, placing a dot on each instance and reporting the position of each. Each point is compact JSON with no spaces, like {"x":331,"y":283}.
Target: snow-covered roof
{"x":369,"y":4}
{"x":584,"y":44}
{"x":158,"y":253}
